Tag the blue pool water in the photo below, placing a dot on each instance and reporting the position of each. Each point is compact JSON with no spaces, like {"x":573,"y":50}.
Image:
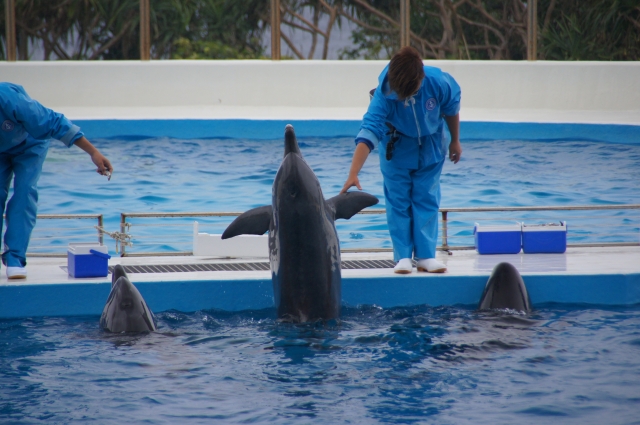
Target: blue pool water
{"x":450,"y":365}
{"x":561,"y":364}
{"x":169,"y":175}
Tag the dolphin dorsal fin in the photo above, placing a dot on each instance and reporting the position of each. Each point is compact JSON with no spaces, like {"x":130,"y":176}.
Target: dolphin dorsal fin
{"x":290,"y":141}
{"x":346,"y":205}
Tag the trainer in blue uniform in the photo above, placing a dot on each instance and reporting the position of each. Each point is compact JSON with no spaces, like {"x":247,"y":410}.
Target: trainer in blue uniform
{"x":408,"y":118}
{"x":26,"y":128}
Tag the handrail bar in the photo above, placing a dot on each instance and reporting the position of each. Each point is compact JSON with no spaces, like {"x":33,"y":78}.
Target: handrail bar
{"x":545,"y":208}
{"x":99,"y":217}
{"x":124,"y":225}
{"x":69,"y":216}
{"x":382,"y":211}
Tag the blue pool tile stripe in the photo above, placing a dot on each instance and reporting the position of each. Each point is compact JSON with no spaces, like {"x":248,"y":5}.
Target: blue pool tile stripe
{"x":210,"y":129}
{"x":611,"y":133}
{"x":274,"y":129}
{"x":24,"y":300}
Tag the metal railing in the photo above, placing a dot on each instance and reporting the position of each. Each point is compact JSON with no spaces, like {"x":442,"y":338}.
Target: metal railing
{"x":125,"y":226}
{"x":605,"y":225}
{"x":46,"y":238}
{"x":634,"y":228}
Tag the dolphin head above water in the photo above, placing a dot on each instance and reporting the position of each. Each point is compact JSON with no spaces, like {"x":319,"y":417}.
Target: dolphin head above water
{"x":505,"y":289}
{"x":304,"y":249}
{"x":125,"y":309}
{"x":290,"y":141}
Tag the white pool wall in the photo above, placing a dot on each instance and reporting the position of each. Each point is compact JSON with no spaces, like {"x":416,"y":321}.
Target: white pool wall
{"x":492,"y":91}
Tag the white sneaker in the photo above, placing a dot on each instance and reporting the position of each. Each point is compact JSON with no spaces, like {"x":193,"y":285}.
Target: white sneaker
{"x":404,"y":266}
{"x":16,"y":273}
{"x":431,"y":265}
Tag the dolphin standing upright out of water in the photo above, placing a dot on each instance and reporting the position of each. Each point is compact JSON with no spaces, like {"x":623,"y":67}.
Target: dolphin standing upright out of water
{"x":505,"y":289}
{"x":125,"y":310}
{"x":304,"y":250}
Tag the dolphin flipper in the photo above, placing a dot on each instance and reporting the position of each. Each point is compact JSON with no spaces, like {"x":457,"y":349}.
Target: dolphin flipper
{"x":118,"y":272}
{"x":346,"y":205}
{"x":253,"y":222}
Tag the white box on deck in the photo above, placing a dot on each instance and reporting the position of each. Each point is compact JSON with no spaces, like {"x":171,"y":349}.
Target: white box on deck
{"x":243,"y":246}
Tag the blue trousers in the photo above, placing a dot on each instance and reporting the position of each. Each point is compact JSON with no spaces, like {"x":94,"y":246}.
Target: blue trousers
{"x":412,"y":202}
{"x":24,"y":162}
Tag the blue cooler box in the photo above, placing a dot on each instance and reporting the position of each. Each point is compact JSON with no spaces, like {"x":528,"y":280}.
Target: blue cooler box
{"x":544,"y":238}
{"x":506,"y":239}
{"x":88,"y":260}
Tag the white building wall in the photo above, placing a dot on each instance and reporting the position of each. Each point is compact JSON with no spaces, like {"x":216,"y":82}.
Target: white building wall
{"x":584,"y":92}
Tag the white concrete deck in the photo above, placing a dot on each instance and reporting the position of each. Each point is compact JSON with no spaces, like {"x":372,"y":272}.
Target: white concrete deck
{"x":576,"y":261}
{"x":585,"y":276}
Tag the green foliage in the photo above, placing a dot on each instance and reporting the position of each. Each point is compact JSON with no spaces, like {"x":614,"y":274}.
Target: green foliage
{"x":497,"y":29}
{"x":369,"y":43}
{"x":234,"y":29}
{"x":223,"y":29}
{"x":186,"y":49}
{"x":109,"y":29}
{"x":593,"y":30}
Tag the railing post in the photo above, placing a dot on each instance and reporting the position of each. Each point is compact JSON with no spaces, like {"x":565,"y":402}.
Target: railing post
{"x":445,"y":242}
{"x":101,"y":226}
{"x":405,"y":23}
{"x":532,"y":30}
{"x":275,"y":30}
{"x":145,"y":30}
{"x":123,"y":229}
{"x":10,"y":29}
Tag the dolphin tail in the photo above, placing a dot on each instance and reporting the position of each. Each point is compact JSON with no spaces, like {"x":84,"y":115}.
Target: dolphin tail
{"x":118,"y":272}
{"x":290,"y":141}
{"x":346,"y":205}
{"x":253,"y":222}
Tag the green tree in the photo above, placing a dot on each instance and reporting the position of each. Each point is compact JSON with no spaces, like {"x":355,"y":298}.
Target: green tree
{"x":234,"y":29}
{"x":591,"y":30}
{"x":109,"y":29}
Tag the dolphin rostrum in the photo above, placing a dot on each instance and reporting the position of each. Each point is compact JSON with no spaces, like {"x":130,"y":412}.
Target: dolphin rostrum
{"x":505,"y":289}
{"x":304,"y":250}
{"x":125,"y":310}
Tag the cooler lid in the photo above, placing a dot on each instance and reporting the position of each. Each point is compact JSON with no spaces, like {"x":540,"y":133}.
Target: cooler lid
{"x":545,"y":227}
{"x":85,"y":248}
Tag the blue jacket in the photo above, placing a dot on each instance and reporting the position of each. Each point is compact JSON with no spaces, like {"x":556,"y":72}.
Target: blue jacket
{"x":418,"y":119}
{"x":21,"y":117}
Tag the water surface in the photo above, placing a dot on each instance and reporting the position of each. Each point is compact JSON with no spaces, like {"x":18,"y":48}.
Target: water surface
{"x":169,"y":175}
{"x":449,"y":365}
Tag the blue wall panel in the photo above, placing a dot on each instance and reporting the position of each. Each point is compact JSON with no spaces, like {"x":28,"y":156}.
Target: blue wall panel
{"x":274,"y":129}
{"x":66,"y":299}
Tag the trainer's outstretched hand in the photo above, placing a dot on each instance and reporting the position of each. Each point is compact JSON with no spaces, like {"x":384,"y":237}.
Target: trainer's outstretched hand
{"x":103,"y":164}
{"x":351,"y":181}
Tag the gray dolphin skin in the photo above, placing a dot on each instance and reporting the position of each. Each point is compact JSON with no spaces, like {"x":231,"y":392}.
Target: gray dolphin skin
{"x":125,"y":310}
{"x":505,"y":289}
{"x":304,"y":250}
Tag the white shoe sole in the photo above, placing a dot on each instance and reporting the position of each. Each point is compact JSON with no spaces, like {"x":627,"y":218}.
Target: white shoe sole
{"x":403,"y":271}
{"x":441,"y":270}
{"x":17,"y":276}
